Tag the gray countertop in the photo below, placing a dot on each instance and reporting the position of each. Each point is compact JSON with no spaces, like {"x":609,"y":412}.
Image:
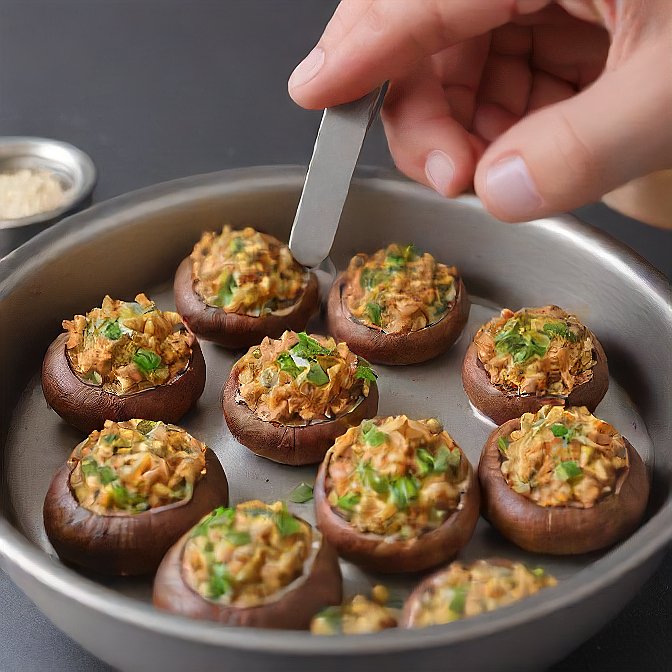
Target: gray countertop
{"x":158,"y":89}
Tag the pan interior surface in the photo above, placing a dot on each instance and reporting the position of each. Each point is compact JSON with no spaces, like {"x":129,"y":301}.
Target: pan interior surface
{"x":134,"y":243}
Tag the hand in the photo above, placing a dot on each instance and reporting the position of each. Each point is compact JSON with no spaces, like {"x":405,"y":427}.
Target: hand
{"x":542,"y":106}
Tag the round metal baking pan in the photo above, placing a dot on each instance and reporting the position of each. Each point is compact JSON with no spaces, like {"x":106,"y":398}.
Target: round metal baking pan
{"x":71,"y":167}
{"x":133,"y":243}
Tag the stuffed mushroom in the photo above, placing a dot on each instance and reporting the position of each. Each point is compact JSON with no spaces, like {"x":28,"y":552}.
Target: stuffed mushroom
{"x":288,"y":399}
{"x":520,"y":361}
{"x":562,"y":481}
{"x":120,"y":361}
{"x":241,"y":285}
{"x":462,"y":591}
{"x":357,"y":616}
{"x":127,"y":493}
{"x":253,"y":565}
{"x":398,"y":306}
{"x":396,"y":495}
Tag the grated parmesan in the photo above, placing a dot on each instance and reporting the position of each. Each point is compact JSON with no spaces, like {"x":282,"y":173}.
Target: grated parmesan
{"x":29,"y":192}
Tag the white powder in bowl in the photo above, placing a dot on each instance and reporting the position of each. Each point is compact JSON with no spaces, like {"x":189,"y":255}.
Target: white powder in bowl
{"x":28,"y":192}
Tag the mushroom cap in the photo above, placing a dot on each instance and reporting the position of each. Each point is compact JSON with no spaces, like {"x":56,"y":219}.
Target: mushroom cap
{"x":372,"y":552}
{"x":87,"y":406}
{"x":500,"y":405}
{"x":410,"y":347}
{"x":126,"y":544}
{"x":232,"y":330}
{"x":293,"y":610}
{"x":288,"y":444}
{"x":561,"y":530}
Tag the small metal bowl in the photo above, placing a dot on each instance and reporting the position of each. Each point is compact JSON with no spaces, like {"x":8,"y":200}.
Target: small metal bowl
{"x":72,"y":168}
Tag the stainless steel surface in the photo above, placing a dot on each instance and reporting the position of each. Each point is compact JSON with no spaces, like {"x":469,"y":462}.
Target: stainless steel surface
{"x":72,"y":167}
{"x":337,"y":147}
{"x":145,"y":234}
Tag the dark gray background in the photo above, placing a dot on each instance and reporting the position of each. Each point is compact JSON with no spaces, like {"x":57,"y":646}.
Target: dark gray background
{"x":158,"y":89}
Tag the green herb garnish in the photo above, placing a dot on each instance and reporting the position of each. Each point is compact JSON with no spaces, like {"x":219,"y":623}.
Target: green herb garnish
{"x":372,"y":435}
{"x":348,"y":501}
{"x":316,"y":375}
{"x":286,"y":523}
{"x":146,"y":426}
{"x":559,"y":329}
{"x":225,"y":293}
{"x":365,"y":372}
{"x":458,"y":602}
{"x":503,"y":444}
{"x":237,"y":538}
{"x":146,"y":360}
{"x":373,"y":310}
{"x":220,"y":581}
{"x":370,"y":478}
{"x":287,"y":364}
{"x":568,"y":470}
{"x":237,"y":245}
{"x":404,"y":489}
{"x":308,"y":347}
{"x":521,"y":345}
{"x":112,"y":330}
{"x":301,"y":494}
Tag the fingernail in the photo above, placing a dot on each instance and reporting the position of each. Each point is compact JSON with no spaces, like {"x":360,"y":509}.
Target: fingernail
{"x":440,"y":170}
{"x":510,"y":189}
{"x":308,"y":68}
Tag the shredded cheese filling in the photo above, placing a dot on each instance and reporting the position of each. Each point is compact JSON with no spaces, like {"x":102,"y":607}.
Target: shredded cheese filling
{"x":133,"y":466}
{"x":399,"y":289}
{"x":563,"y":457}
{"x":536,"y":351}
{"x":298,"y":379}
{"x":463,"y":591}
{"x":127,"y":347}
{"x":245,"y":556}
{"x":246,"y":272}
{"x":396,"y":477}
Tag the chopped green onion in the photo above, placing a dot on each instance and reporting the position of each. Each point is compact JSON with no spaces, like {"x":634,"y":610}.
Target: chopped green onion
{"x":237,"y":538}
{"x":538,"y":571}
{"x":112,"y":331}
{"x":348,"y":501}
{"x":286,"y":523}
{"x":403,"y":489}
{"x":308,"y":347}
{"x":220,"y":581}
{"x":458,"y":602}
{"x":503,"y":444}
{"x":316,"y":375}
{"x":559,"y":430}
{"x":374,"y":311}
{"x":568,"y":470}
{"x":287,"y":364}
{"x":146,"y":360}
{"x":301,"y":494}
{"x":365,"y":372}
{"x":237,"y":245}
{"x":372,"y":435}
{"x":106,"y":475}
{"x":146,"y":426}
{"x":89,"y":467}
{"x":225,"y":294}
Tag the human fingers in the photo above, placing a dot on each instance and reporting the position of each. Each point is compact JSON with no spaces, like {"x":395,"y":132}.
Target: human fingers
{"x":389,"y":38}
{"x":574,"y":151}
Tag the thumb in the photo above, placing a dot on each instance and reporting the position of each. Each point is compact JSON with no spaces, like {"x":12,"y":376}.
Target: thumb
{"x":572,"y":153}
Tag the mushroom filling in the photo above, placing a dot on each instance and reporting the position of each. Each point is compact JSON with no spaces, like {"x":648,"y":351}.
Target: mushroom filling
{"x":126,"y":347}
{"x":563,"y":457}
{"x":133,"y":466}
{"x":396,"y":477}
{"x":245,"y":555}
{"x":246,"y":272}
{"x":536,"y":351}
{"x":462,"y":591}
{"x":299,"y":379}
{"x":357,"y":616}
{"x":399,"y":289}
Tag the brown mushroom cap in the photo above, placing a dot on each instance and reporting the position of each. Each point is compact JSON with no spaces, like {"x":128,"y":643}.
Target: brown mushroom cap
{"x":87,"y":406}
{"x":231,"y":329}
{"x":410,"y":347}
{"x":286,"y":444}
{"x":561,"y":530}
{"x":126,"y":544}
{"x":293,"y":610}
{"x":501,"y":406}
{"x":372,"y":552}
